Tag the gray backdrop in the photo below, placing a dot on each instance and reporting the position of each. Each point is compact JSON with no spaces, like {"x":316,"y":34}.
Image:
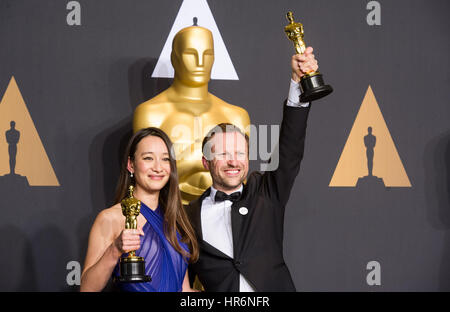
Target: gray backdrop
{"x":82,"y":83}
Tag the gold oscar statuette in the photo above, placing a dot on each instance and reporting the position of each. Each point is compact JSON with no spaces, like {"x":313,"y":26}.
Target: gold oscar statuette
{"x":132,"y":267}
{"x":186,"y":111}
{"x":312,"y":84}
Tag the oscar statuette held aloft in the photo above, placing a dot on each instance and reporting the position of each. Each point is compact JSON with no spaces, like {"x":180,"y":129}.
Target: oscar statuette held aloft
{"x":132,"y":267}
{"x":312,"y":84}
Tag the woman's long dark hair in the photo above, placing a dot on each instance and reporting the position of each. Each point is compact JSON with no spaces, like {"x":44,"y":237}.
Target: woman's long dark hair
{"x":175,"y":218}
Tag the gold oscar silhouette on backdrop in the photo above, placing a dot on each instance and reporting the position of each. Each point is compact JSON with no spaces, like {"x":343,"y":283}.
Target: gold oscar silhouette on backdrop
{"x":23,"y":159}
{"x":369,"y":157}
{"x":186,"y":111}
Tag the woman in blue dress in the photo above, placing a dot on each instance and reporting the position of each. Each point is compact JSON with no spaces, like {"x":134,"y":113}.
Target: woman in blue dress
{"x":164,"y":236}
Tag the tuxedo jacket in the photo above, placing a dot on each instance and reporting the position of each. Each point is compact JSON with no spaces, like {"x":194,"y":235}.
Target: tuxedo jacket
{"x":257,"y":235}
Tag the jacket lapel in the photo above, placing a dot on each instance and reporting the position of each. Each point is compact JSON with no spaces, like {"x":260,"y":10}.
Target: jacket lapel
{"x":237,"y":219}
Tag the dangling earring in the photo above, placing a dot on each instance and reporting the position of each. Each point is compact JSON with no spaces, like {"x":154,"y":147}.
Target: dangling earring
{"x":131,"y":175}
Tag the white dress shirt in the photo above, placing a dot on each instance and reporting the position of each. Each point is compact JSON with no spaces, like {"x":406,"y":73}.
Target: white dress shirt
{"x":294,"y":95}
{"x":216,"y":216}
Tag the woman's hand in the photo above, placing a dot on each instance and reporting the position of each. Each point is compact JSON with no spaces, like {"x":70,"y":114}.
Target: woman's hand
{"x":128,"y":240}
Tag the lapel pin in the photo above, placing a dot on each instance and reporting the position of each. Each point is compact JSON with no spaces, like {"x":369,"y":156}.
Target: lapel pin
{"x":243,"y":211}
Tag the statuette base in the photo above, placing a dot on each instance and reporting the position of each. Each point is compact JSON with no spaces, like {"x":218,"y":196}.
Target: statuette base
{"x":132,"y":270}
{"x":313,"y":88}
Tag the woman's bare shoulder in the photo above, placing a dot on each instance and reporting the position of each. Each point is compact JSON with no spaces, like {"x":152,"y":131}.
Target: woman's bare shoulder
{"x":110,"y":217}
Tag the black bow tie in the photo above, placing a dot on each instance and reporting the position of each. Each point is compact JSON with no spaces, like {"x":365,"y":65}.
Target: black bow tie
{"x":221,"y":196}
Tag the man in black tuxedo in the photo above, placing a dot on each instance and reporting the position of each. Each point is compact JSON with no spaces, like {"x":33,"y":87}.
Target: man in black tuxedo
{"x":239,"y":226}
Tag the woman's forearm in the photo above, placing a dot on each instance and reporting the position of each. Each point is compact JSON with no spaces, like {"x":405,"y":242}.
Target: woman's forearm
{"x":96,"y":277}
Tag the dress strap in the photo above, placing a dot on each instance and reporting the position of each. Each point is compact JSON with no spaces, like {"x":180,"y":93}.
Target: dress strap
{"x":149,"y":214}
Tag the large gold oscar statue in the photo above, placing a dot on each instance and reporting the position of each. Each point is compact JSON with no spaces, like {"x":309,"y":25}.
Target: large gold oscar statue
{"x":186,"y":111}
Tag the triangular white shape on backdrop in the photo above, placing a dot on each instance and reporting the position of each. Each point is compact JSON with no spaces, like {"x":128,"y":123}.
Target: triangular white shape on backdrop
{"x":223,"y":67}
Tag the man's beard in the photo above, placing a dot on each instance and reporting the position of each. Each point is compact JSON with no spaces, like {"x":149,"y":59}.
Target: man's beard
{"x":227,"y":186}
{"x":221,"y":181}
